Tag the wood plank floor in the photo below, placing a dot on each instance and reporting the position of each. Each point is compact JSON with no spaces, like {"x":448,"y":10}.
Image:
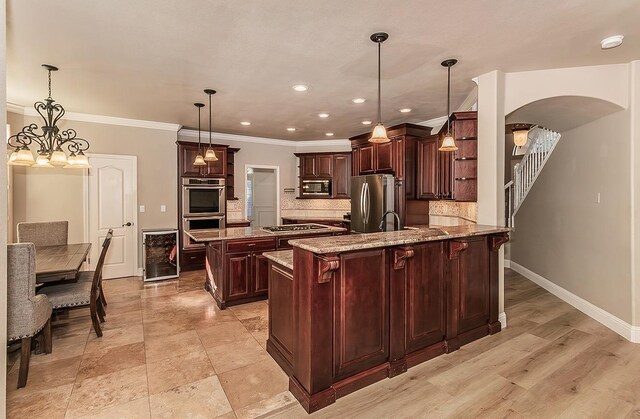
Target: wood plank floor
{"x":168,"y":352}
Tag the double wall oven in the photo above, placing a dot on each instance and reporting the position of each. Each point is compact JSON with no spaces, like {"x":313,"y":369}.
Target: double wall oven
{"x":203,"y":207}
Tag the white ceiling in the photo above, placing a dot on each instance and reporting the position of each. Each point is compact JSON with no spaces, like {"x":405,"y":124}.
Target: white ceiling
{"x":150,"y":60}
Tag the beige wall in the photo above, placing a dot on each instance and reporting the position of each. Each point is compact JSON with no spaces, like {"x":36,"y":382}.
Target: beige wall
{"x":57,"y":194}
{"x":634,"y":190}
{"x":561,"y":232}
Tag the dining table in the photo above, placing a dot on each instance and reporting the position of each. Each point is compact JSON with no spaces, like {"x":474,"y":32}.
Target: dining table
{"x":60,"y":262}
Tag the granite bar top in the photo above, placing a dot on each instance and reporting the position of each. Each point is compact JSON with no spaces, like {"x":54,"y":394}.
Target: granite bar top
{"x":250,"y":232}
{"x":417,"y":234}
{"x":281,"y":257}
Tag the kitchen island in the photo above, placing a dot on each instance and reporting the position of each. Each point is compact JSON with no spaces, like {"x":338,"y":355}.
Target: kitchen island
{"x":235,"y":269}
{"x":348,"y":311}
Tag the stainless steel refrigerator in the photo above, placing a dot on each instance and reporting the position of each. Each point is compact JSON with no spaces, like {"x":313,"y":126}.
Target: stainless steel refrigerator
{"x":371,"y":196}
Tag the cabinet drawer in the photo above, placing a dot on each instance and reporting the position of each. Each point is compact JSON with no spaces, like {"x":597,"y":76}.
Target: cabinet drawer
{"x":251,"y":245}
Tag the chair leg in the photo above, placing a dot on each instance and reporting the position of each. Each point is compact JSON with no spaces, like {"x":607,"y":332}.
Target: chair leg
{"x":100,"y":311}
{"x":96,"y":323}
{"x":48,"y":342}
{"x":104,"y":300}
{"x":25,"y":355}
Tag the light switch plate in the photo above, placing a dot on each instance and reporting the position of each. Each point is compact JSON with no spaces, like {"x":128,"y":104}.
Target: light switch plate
{"x":141,"y":208}
{"x":163,"y":208}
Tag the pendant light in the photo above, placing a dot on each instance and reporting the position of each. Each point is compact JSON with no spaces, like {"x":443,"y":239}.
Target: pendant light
{"x":379,"y":134}
{"x":199,"y":160}
{"x":448,"y":143}
{"x":210,"y":155}
{"x":520,"y":134}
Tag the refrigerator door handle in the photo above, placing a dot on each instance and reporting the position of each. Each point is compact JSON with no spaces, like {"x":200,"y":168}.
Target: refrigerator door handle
{"x":367,"y":203}
{"x":362,"y":201}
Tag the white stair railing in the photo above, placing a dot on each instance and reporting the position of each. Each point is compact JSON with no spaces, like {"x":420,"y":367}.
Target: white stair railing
{"x":541,"y":143}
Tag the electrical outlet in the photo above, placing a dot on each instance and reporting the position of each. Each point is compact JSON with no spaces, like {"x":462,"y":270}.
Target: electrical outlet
{"x":163,"y":208}
{"x":598,"y":198}
{"x":141,"y":208}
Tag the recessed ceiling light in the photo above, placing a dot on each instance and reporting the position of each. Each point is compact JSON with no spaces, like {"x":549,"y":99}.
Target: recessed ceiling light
{"x":323,"y":115}
{"x":612,"y":41}
{"x":245,"y":123}
{"x":366,"y":122}
{"x":405,"y":110}
{"x":359,"y":100}
{"x":329,"y":134}
{"x":291,"y":129}
{"x":300,"y":88}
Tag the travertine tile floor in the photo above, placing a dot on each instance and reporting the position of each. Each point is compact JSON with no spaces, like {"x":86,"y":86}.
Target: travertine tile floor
{"x":167,"y":351}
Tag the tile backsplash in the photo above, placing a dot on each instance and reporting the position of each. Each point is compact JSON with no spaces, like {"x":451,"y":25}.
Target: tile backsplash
{"x":452,"y":213}
{"x":292,"y":207}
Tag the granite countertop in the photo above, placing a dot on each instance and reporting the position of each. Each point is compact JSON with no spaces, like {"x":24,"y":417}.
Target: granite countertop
{"x":237,"y":221}
{"x":415,"y":234}
{"x":335,"y":219}
{"x":249,"y":232}
{"x":281,"y":257}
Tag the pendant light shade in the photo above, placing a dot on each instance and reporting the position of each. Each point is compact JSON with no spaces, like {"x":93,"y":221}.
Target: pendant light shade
{"x":520,"y":134}
{"x":448,"y":142}
{"x":210,"y":155}
{"x":379,"y":134}
{"x":42,"y":161}
{"x":58,"y":158}
{"x":199,"y":160}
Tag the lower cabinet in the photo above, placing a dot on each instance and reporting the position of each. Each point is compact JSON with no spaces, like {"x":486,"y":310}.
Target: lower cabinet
{"x":280,"y":342}
{"x":238,"y":274}
{"x":361,"y":307}
{"x":425,"y":299}
{"x":260,"y":276}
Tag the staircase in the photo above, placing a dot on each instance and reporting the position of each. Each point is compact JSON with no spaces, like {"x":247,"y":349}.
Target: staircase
{"x":540,"y":145}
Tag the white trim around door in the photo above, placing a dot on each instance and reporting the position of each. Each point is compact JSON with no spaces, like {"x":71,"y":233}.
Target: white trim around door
{"x":244,"y":180}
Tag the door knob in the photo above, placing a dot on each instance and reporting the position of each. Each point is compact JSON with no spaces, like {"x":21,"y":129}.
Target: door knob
{"x":127,"y":225}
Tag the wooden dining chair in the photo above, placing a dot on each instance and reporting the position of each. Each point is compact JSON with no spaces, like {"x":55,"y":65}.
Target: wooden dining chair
{"x":28,"y":313}
{"x":82,"y":293}
{"x":51,"y":233}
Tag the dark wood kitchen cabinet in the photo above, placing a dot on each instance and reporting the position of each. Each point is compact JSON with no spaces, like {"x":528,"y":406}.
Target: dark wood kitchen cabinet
{"x":317,"y":165}
{"x":193,"y":258}
{"x":458,"y":170}
{"x":397,"y":157}
{"x":332,"y":166}
{"x":187,"y":152}
{"x":363,"y":315}
{"x":427,"y":174}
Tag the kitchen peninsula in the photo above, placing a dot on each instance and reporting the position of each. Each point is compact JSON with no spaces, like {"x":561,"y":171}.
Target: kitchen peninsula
{"x":235,"y":269}
{"x":345,"y":312}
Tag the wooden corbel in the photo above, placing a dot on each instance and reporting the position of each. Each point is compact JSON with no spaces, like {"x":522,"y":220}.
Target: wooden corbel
{"x":326,"y":267}
{"x":498,"y":240}
{"x":455,"y":247}
{"x":400,"y":256}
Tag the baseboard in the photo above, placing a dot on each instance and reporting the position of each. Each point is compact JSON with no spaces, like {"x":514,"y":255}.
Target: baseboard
{"x":502,"y":318}
{"x":140,"y":271}
{"x":624,"y":329}
{"x":507,"y":263}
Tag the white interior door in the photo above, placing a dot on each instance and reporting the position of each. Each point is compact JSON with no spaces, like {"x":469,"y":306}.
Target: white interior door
{"x":112,"y":204}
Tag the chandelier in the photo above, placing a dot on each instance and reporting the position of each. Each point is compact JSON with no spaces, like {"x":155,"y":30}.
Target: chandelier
{"x":51,"y":141}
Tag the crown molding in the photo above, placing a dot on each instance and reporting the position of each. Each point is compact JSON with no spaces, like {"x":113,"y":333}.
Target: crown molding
{"x":99,"y":119}
{"x":222,"y":137}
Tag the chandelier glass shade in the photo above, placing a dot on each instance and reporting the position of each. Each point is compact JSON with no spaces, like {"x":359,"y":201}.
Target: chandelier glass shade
{"x":379,"y":134}
{"x":520,"y":133}
{"x":51,"y":142}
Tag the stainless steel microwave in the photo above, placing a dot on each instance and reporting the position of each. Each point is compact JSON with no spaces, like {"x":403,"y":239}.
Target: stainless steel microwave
{"x":316,"y":188}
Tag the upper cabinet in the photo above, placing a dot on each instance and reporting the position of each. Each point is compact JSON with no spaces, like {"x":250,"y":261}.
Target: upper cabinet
{"x":314,"y":165}
{"x":458,"y":170}
{"x":333,"y":167}
{"x":222,"y":168}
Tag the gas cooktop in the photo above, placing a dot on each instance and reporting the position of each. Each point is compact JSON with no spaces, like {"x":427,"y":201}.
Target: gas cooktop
{"x":294,"y":227}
